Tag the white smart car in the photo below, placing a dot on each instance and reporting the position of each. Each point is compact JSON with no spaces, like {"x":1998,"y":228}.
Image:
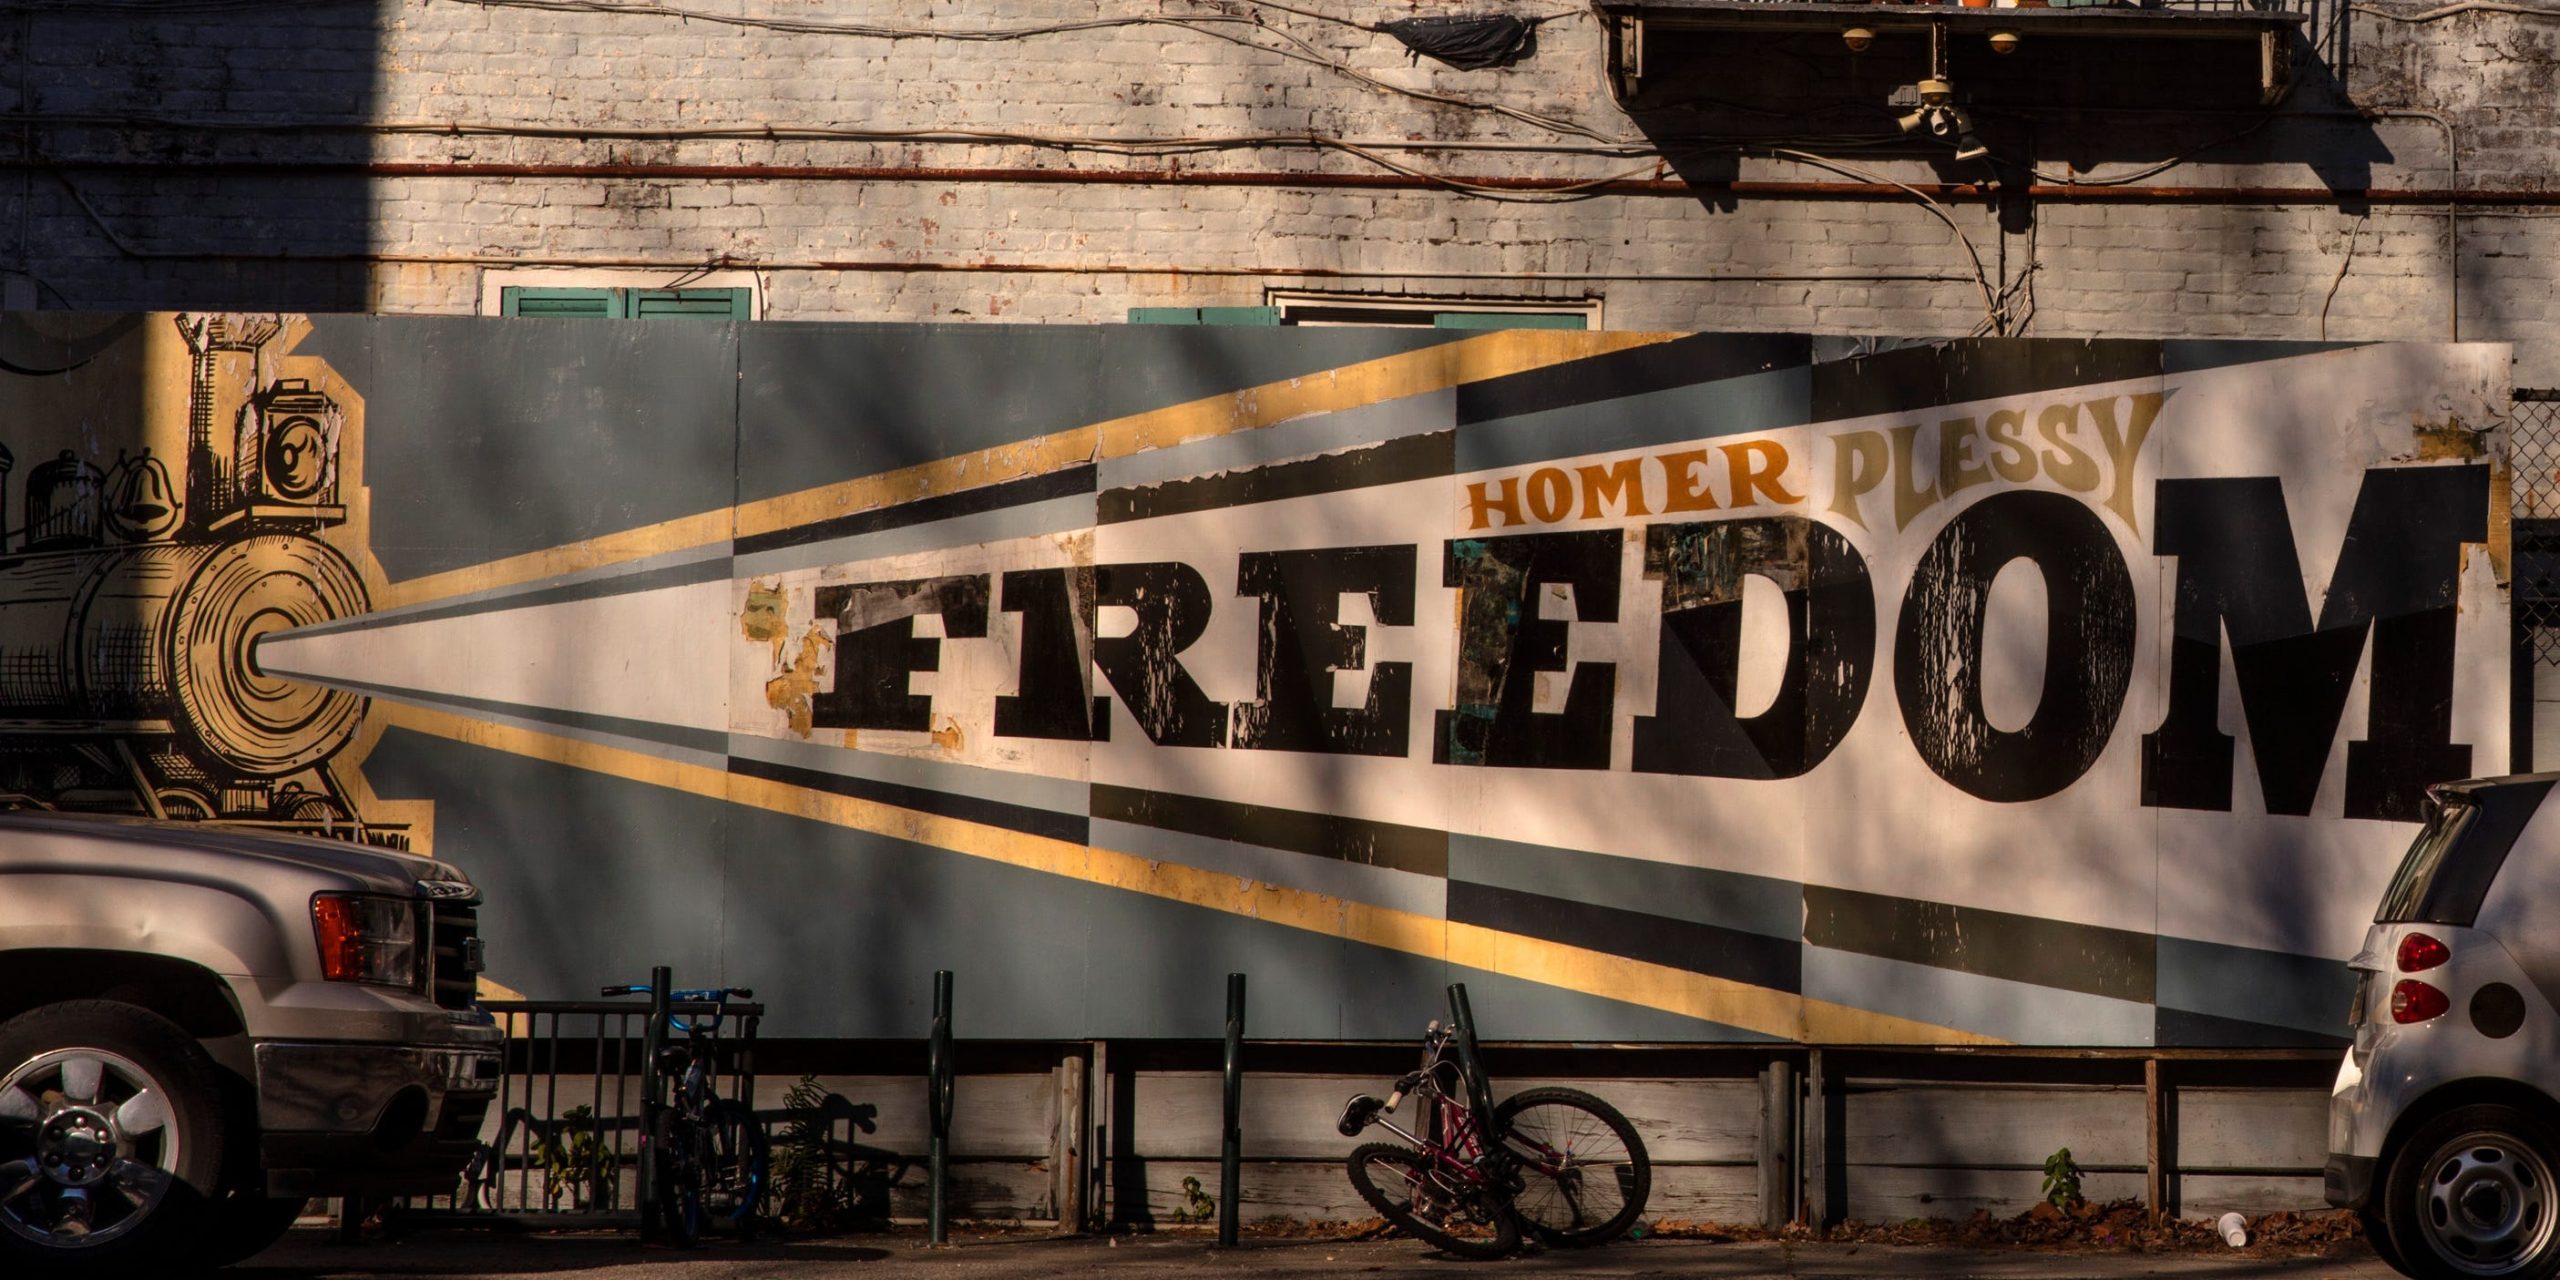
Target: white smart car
{"x":2444,"y":1127}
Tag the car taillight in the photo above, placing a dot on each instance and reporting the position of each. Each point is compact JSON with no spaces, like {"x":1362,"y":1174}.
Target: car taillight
{"x":2419,"y":953}
{"x":2415,"y":1001}
{"x":366,"y":939}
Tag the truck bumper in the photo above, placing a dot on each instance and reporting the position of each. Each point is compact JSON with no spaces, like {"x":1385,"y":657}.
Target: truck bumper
{"x":338,"y":1118}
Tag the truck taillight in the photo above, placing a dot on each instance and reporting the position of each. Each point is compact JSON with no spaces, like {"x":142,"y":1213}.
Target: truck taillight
{"x":2420,"y":952}
{"x":366,"y":939}
{"x":2415,"y":1001}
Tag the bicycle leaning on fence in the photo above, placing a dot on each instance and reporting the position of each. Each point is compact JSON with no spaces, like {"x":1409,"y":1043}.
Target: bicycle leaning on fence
{"x":1559,"y":1164}
{"x":706,"y":1155}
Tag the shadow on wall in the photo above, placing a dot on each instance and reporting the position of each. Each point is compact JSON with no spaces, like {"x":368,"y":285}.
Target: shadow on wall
{"x":2054,"y":107}
{"x":210,"y":156}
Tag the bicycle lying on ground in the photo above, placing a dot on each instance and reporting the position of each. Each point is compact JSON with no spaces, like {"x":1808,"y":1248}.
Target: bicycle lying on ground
{"x":706,"y":1154}
{"x":1559,"y":1164}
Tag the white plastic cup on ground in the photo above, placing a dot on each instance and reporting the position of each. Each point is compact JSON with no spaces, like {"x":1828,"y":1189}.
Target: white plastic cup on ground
{"x":2234,"y":1229}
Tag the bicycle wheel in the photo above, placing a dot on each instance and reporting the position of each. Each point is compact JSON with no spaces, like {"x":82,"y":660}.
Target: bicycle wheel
{"x":1458,"y":1219}
{"x":1583,"y":1171}
{"x":675,"y":1146}
{"x":734,"y":1174}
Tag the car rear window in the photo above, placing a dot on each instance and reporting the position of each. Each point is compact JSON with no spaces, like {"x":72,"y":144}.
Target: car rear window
{"x":2457,"y":854}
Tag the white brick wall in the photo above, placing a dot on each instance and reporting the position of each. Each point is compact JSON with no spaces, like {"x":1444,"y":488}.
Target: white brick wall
{"x":834,"y":249}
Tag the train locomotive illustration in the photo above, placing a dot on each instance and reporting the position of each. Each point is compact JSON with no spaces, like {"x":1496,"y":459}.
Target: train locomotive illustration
{"x":132,"y":601}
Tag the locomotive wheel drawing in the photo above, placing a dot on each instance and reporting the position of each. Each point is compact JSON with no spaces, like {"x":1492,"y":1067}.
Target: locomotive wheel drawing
{"x":260,"y":724}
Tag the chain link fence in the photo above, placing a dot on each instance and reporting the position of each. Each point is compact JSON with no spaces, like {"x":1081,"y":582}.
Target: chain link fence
{"x":2533,"y":454}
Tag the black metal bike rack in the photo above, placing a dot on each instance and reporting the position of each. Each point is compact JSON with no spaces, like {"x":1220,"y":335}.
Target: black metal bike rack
{"x":941,"y":1087}
{"x":1231,"y":1126}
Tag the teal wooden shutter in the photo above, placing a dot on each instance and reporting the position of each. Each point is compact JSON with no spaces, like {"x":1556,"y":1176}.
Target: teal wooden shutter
{"x":1509,"y":320}
{"x":1205,"y":315}
{"x":627,"y":304}
{"x":582,"y":304}
{"x":698,"y":304}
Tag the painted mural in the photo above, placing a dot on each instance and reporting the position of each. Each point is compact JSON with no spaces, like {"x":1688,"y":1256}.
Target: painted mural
{"x":1662,"y":687}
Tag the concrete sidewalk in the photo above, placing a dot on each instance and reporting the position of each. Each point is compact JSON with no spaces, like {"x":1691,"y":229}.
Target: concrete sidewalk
{"x":902,"y":1256}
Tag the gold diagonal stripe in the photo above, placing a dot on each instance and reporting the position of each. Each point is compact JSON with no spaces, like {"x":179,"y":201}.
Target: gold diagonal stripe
{"x":1436,"y":368}
{"x":1766,"y":1010}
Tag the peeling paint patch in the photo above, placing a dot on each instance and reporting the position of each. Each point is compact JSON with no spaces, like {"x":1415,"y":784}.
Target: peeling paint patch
{"x":2448,"y":441}
{"x":948,"y":736}
{"x":790,"y":692}
{"x":763,"y":619}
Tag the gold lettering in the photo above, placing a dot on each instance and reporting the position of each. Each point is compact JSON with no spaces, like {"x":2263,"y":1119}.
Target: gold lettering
{"x":1954,"y":473}
{"x":1550,"y":495}
{"x":1909,"y":500}
{"x":1622,"y":482}
{"x":2006,"y":429}
{"x":1756,"y":465}
{"x":2124,"y":448}
{"x":1857,"y":467}
{"x":1684,"y":479}
{"x":1504,"y":502}
{"x":2068,"y":464}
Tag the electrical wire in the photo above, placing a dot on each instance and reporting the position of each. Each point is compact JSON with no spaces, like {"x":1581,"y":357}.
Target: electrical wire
{"x":2463,"y":6}
{"x":1981,"y":275}
{"x":2352,"y":233}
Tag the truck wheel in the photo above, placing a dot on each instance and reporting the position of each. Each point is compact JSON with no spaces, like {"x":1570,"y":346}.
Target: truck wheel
{"x":2471,"y":1193}
{"x":111,"y":1139}
{"x":244,"y":1224}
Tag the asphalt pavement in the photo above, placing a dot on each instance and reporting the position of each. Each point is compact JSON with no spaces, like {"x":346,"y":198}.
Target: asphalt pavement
{"x":313,"y":1255}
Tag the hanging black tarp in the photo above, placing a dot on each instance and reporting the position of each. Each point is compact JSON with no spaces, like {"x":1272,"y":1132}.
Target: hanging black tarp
{"x":1469,"y":44}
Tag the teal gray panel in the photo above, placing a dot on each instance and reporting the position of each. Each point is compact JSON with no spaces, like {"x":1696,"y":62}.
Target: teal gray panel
{"x":1730,"y":899}
{"x":2303,"y":993}
{"x":592,"y":879}
{"x":488,"y":439}
{"x":821,"y":403}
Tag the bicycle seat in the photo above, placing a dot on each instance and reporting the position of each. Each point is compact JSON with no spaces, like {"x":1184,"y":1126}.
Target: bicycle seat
{"x":1358,"y":1114}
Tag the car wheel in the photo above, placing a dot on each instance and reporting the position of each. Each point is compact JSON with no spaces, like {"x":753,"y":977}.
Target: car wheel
{"x":243,"y":1225}
{"x":2472,"y":1193}
{"x":2377,"y":1233}
{"x":111,"y":1139}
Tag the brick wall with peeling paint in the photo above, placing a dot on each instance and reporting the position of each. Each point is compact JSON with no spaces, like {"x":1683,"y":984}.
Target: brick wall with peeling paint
{"x":146,"y":135}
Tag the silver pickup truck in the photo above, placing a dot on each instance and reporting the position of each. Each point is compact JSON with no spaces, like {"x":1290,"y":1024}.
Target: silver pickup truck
{"x":201,"y":1026}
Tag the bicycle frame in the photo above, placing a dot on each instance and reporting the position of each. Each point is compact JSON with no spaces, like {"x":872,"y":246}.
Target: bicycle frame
{"x":1454,"y":1134}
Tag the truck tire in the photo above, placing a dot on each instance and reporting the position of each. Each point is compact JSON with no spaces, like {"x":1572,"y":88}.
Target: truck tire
{"x":111,"y":1140}
{"x":244,"y":1224}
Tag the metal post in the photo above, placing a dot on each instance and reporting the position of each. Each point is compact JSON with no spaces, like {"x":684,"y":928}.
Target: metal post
{"x":938,"y":1097}
{"x":1231,"y":1131}
{"x":653,"y":1039}
{"x":1462,"y":1033}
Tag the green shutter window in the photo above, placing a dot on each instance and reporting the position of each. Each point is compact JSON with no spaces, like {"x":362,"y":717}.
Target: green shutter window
{"x":704,"y":304}
{"x":1205,"y":315}
{"x":627,"y":304}
{"x":1508,"y":320}
{"x":581,"y":304}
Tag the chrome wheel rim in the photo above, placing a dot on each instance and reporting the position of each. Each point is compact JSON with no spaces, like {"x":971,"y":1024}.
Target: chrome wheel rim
{"x":2486,"y":1205}
{"x":88,"y":1148}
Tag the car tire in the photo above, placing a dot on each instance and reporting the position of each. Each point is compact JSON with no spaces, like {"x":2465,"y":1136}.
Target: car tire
{"x":2377,"y":1233}
{"x":244,"y":1224}
{"x":2472,"y":1193}
{"x":111,"y":1141}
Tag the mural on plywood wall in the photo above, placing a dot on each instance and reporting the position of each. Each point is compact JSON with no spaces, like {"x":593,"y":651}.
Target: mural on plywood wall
{"x":1661,"y":687}
{"x":187,"y":488}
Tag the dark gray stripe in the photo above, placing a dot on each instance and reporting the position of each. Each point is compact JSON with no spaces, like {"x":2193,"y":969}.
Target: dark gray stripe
{"x":2244,"y":984}
{"x":1392,"y":462}
{"x":689,"y":739}
{"x":713,"y":569}
{"x":1013,"y":817}
{"x":1725,"y":899}
{"x":2181,"y":1028}
{"x":1757,"y":959}
{"x":1421,"y":850}
{"x":1064,"y":482}
{"x":2116,"y":963}
{"x":1913,"y":379}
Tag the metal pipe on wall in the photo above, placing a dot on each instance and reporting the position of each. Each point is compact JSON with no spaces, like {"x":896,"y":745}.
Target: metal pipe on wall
{"x":1231,"y":1125}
